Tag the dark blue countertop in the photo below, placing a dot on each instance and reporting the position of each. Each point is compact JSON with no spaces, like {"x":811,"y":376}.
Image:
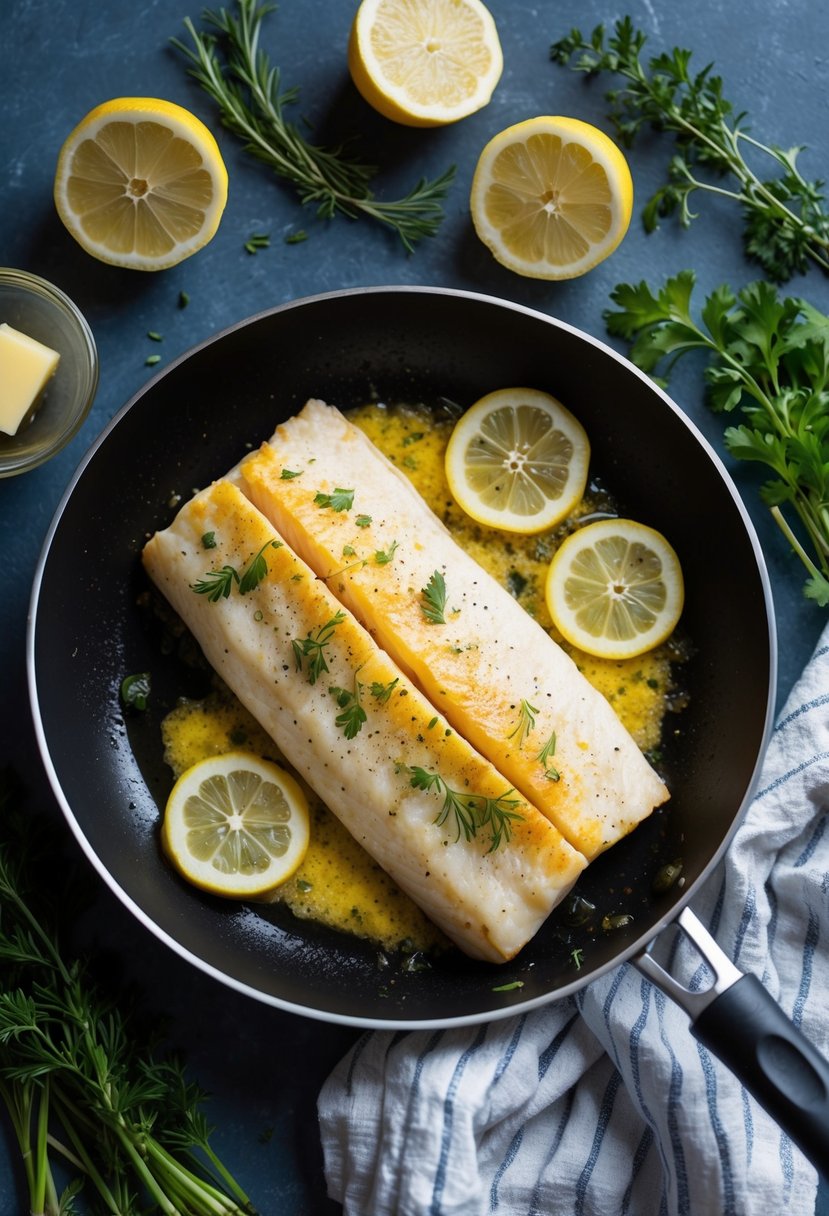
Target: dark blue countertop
{"x":58,"y":59}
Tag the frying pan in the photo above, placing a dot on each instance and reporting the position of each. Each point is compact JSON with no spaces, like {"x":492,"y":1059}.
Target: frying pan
{"x":193,"y":422}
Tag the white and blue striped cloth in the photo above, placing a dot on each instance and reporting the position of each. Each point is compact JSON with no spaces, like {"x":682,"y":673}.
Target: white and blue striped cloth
{"x":604,"y":1104}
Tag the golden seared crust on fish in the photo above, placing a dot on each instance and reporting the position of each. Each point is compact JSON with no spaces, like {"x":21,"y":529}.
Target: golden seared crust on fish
{"x":267,"y":644}
{"x":496,"y":674}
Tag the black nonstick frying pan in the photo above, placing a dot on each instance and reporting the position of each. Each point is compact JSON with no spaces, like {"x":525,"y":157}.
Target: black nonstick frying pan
{"x":191,"y":424}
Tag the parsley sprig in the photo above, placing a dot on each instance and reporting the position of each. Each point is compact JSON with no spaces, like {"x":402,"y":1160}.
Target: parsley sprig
{"x":433,"y":599}
{"x":351,"y":717}
{"x":236,"y":72}
{"x":770,"y":358}
{"x":469,"y":811}
{"x":785,"y":222}
{"x":309,"y":652}
{"x":218,"y":584}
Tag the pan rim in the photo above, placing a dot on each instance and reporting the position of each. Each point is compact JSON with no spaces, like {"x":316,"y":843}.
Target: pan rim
{"x":625,"y":955}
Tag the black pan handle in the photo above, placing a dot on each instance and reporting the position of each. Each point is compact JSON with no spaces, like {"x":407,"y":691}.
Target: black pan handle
{"x":741,"y":1024}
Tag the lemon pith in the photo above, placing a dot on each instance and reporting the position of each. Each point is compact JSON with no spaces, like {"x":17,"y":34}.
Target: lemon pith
{"x":615,"y":588}
{"x":140,"y":183}
{"x":551,"y":197}
{"x":236,"y":825}
{"x":424,"y":64}
{"x":517,"y":460}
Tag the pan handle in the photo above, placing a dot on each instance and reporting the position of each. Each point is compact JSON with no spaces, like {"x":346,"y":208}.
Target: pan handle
{"x":740,"y":1023}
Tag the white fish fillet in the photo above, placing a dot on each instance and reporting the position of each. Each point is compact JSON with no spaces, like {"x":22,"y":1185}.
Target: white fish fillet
{"x":489,"y":901}
{"x":485,"y":661}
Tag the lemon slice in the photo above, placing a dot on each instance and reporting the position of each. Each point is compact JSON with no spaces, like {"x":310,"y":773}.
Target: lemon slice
{"x":141,"y":183}
{"x":236,"y":825}
{"x":551,"y":197}
{"x":615,"y":589}
{"x":424,"y":64}
{"x":517,"y":460}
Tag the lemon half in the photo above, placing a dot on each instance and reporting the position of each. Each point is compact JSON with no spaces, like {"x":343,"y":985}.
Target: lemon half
{"x":141,"y":183}
{"x":517,"y":460}
{"x":551,"y":197}
{"x":615,"y":588}
{"x":427,"y":63}
{"x":236,"y":825}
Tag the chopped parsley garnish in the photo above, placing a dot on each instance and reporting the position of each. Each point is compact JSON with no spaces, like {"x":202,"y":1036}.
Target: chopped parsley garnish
{"x":352,"y":717}
{"x":433,"y":599}
{"x":208,"y":541}
{"x":135,"y":691}
{"x":363,"y":521}
{"x":289,"y":474}
{"x":383,"y":556}
{"x":218,"y":584}
{"x":339,"y":500}
{"x":510,"y":987}
{"x":382,"y":692}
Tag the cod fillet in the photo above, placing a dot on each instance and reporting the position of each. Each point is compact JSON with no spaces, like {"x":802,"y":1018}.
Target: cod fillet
{"x":495,"y":673}
{"x":489,"y":900}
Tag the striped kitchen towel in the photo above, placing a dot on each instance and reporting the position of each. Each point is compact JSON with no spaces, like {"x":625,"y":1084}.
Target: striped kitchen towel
{"x":604,"y":1104}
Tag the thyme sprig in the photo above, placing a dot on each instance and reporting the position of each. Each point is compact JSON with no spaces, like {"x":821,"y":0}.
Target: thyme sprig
{"x":786,"y":225}
{"x":469,"y":811}
{"x":236,"y":72}
{"x":770,"y":358}
{"x":81,"y":1086}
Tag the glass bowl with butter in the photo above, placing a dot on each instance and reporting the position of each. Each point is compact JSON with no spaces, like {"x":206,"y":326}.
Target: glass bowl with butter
{"x":48,"y":370}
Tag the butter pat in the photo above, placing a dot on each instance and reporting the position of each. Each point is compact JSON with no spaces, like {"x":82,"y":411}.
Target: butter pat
{"x":25,"y":367}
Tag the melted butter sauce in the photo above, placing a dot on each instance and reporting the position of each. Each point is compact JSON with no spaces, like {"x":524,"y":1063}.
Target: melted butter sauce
{"x":338,"y":884}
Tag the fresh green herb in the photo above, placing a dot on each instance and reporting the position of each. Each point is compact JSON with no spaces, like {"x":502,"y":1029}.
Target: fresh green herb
{"x":526,"y":722}
{"x":135,"y":691}
{"x":510,"y":987}
{"x":469,"y":811}
{"x":154,"y":337}
{"x":289,"y":474}
{"x":349,"y":551}
{"x":236,"y":72}
{"x":577,"y":957}
{"x":352,"y":717}
{"x":151,"y":360}
{"x":304,"y":886}
{"x":667,"y":876}
{"x":85,"y":1090}
{"x":383,"y":556}
{"x":340,"y":500}
{"x":785,"y":223}
{"x":382,"y":692}
{"x":183,"y":299}
{"x":414,"y":437}
{"x":363,"y":521}
{"x":433,"y":599}
{"x":770,"y":357}
{"x":296,"y":238}
{"x":208,"y":540}
{"x":312,"y":648}
{"x":218,"y":584}
{"x":257,"y":241}
{"x":616,"y":920}
{"x":545,"y":756}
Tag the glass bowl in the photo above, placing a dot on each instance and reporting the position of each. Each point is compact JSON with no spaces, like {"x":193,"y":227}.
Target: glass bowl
{"x":42,"y":311}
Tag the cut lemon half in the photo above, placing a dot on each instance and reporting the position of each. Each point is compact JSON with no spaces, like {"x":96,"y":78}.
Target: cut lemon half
{"x":141,"y":183}
{"x":517,"y":460}
{"x":424,"y":63}
{"x":614,"y":588}
{"x":236,"y":825}
{"x":551,"y":197}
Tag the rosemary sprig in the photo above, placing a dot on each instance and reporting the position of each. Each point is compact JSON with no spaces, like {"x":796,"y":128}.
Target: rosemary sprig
{"x":469,"y":811}
{"x":233,"y":69}
{"x":545,"y":756}
{"x":526,"y":723}
{"x":82,"y":1088}
{"x":785,"y":223}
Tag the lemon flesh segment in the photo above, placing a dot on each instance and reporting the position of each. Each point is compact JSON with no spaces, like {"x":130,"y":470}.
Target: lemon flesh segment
{"x":615,"y":589}
{"x":141,"y":183}
{"x":425,"y":62}
{"x":236,"y":825}
{"x":517,"y":460}
{"x":551,"y":197}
